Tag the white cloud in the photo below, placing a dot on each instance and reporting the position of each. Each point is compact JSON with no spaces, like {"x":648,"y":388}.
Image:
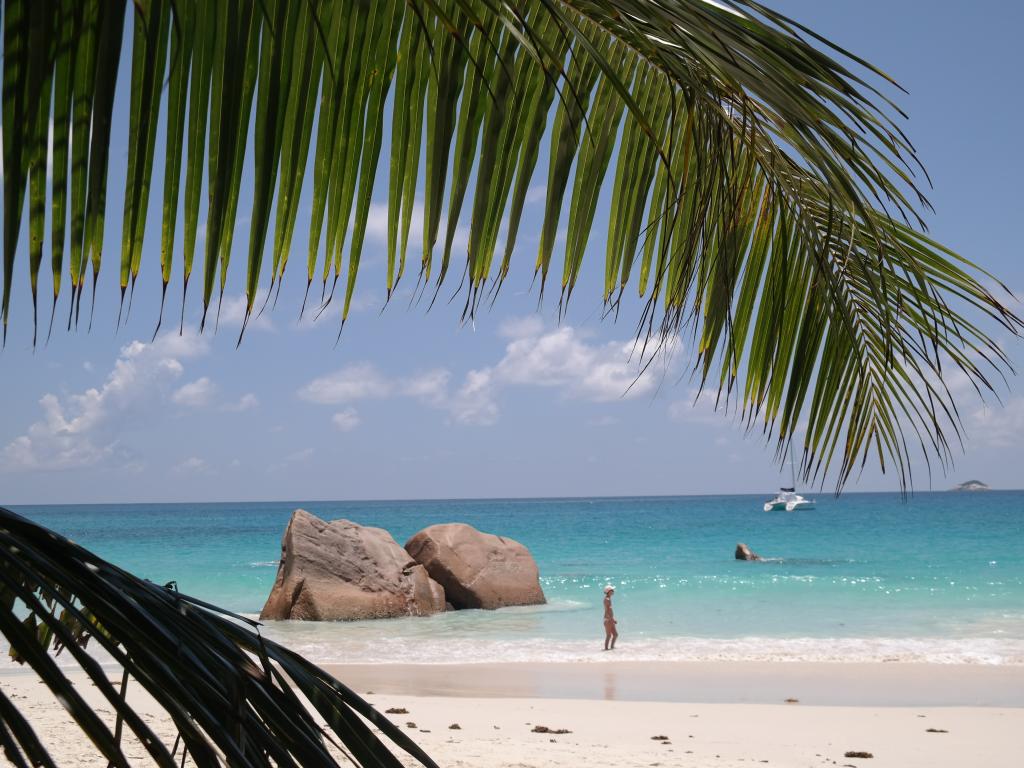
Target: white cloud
{"x":363,"y":381}
{"x":521,"y":327}
{"x":354,"y":382}
{"x":195,"y":394}
{"x":536,"y":193}
{"x":193,"y":465}
{"x":699,"y":407}
{"x":232,"y":313}
{"x":562,"y":358}
{"x":83,"y":429}
{"x":346,"y":420}
{"x":377,"y":227}
{"x":997,"y":426}
{"x":474,"y":403}
{"x":246,"y":402}
{"x":431,"y":386}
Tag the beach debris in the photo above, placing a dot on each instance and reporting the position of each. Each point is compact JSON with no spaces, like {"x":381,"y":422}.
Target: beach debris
{"x":411,"y":724}
{"x":743,"y":553}
{"x":792,"y":701}
{"x":396,"y":711}
{"x":454,"y":727}
{"x":545,"y":729}
{"x":935,"y":730}
{"x":424,"y":730}
{"x":854,"y":753}
{"x":659,"y":738}
{"x":477,"y":570}
{"x":342,"y":571}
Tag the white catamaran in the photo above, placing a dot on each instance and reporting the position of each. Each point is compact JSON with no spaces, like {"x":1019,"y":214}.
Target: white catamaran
{"x":787,"y":498}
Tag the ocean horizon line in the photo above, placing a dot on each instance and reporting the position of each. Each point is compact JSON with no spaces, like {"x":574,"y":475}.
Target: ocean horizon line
{"x":463,"y":499}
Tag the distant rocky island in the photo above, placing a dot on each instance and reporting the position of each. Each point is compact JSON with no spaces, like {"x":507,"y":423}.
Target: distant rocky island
{"x":972,"y":485}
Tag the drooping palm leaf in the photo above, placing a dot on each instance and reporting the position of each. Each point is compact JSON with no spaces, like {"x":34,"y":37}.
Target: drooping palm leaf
{"x":233,"y":696}
{"x":766,"y":204}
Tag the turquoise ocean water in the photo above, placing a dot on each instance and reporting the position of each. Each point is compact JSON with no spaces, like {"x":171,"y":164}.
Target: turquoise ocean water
{"x":938,"y":577}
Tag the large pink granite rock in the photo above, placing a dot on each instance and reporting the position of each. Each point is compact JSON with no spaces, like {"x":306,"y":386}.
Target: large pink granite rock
{"x":477,"y":570}
{"x":344,"y":571}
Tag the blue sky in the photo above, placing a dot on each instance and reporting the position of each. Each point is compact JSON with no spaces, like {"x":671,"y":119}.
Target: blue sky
{"x":412,"y":404}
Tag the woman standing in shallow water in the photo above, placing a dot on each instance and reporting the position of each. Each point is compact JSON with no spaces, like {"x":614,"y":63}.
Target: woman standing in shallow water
{"x":611,"y":634}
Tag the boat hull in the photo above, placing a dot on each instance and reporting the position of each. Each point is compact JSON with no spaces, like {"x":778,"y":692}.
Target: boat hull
{"x":795,"y":506}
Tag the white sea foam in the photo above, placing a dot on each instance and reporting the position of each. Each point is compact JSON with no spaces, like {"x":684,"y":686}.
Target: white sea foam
{"x":343,"y":643}
{"x":347,"y":648}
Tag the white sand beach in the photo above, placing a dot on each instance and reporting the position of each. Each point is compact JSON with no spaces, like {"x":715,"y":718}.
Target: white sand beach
{"x":496,"y":730}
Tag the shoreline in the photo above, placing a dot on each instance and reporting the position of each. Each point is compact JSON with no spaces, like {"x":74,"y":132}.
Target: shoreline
{"x":828,"y":684}
{"x":814,"y":683}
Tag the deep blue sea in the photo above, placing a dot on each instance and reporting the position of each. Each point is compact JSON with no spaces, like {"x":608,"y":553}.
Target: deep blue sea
{"x":936,"y":577}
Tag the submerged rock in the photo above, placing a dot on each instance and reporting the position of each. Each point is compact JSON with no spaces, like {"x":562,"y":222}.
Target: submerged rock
{"x":477,"y":570}
{"x":345,"y":571}
{"x":743,"y":553}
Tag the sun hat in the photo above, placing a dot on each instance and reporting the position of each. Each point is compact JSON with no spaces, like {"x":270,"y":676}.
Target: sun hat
{"x":609,"y":588}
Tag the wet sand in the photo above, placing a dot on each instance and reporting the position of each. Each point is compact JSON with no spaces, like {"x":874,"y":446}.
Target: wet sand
{"x":854,"y":684}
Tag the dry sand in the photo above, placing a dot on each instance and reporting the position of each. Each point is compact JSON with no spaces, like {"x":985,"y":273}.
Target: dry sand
{"x":497,"y":732}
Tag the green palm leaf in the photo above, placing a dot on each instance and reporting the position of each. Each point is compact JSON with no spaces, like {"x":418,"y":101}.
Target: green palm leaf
{"x":761,"y":179}
{"x":234,"y":697}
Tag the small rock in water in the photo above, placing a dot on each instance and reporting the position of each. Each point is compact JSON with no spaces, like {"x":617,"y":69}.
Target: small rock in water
{"x":743,"y":552}
{"x":853,"y":753}
{"x":454,"y":727}
{"x":936,"y":730}
{"x":410,"y":725}
{"x":396,"y":711}
{"x":545,"y":729}
{"x":659,"y":738}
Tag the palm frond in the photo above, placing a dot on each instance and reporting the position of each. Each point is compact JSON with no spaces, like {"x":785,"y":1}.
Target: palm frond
{"x":234,"y":697}
{"x":766,"y":203}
